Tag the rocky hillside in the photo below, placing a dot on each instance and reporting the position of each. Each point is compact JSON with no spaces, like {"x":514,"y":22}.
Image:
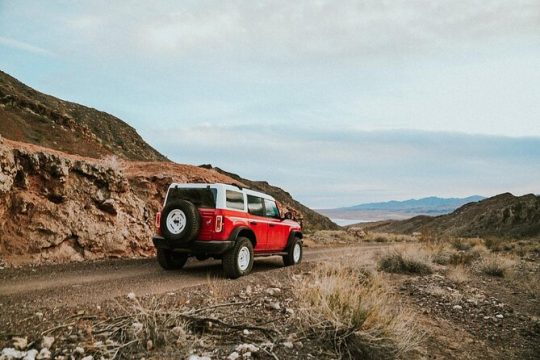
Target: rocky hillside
{"x":311,"y":220}
{"x":56,"y":207}
{"x":503,"y":215}
{"x":30,"y":116}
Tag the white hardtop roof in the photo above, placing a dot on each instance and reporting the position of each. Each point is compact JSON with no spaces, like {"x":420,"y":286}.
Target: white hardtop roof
{"x":223,"y":187}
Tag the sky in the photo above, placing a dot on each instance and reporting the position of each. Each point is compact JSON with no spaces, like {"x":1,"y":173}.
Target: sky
{"x":339,"y":103}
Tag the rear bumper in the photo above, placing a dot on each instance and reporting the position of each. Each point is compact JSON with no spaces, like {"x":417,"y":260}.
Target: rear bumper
{"x":212,"y":247}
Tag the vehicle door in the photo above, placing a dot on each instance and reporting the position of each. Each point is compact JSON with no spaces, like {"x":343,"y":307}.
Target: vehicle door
{"x":278,"y":231}
{"x":257,"y":221}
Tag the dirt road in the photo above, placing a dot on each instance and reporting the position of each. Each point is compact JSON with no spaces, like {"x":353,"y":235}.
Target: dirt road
{"x":93,"y":282}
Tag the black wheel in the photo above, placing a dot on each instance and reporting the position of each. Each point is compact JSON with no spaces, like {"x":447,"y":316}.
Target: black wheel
{"x":294,"y":253}
{"x":239,"y":260}
{"x":169,"y":260}
{"x":180,"y":221}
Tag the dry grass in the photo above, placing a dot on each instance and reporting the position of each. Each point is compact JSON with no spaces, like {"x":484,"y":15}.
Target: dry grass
{"x":355,"y":311}
{"x":496,"y":265}
{"x":405,"y":262}
{"x":387,"y":237}
{"x":334,"y":236}
{"x":458,"y":274}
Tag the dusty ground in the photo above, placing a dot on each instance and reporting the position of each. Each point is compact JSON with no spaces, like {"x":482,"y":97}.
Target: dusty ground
{"x":86,"y":307}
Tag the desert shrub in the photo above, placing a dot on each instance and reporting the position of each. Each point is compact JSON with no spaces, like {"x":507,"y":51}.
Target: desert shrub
{"x":496,"y":265}
{"x":397,"y":262}
{"x":387,"y":237}
{"x":494,"y":244}
{"x":458,"y":274}
{"x":334,"y":236}
{"x":461,"y":244}
{"x":355,"y":311}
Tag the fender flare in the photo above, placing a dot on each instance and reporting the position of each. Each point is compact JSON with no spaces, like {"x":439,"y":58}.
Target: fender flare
{"x":234,"y":234}
{"x":294,"y":234}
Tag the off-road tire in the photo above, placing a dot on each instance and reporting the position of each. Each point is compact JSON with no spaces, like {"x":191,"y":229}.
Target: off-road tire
{"x":291,"y":258}
{"x":231,"y":261}
{"x":169,"y":260}
{"x":192,"y":221}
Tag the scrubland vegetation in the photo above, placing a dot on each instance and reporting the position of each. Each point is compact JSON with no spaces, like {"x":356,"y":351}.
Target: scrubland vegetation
{"x":354,"y":309}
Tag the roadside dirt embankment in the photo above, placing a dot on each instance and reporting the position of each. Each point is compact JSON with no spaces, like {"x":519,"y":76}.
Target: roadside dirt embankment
{"x":56,"y":207}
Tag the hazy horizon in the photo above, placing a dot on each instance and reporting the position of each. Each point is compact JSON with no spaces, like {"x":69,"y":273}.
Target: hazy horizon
{"x":339,"y":104}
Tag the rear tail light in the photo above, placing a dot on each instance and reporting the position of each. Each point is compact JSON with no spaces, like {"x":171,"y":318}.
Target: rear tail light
{"x":158,"y":220}
{"x":219,"y":223}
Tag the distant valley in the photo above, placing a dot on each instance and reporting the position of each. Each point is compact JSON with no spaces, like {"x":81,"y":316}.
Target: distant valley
{"x":398,"y":210}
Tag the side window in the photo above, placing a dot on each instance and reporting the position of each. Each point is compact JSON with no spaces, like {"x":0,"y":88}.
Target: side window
{"x":271,"y":209}
{"x":235,"y":200}
{"x":255,"y":205}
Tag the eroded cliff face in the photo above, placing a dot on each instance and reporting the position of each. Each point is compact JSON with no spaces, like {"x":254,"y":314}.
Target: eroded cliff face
{"x":56,"y":207}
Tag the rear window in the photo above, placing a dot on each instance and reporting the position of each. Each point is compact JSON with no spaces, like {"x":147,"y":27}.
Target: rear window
{"x":235,"y":200}
{"x":255,"y":205}
{"x":202,"y":198}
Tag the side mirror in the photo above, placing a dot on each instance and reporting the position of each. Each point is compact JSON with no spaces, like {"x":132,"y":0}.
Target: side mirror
{"x":287,"y":216}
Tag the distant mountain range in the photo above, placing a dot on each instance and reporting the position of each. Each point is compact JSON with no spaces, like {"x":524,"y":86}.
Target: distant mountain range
{"x":400,"y":209}
{"x":502,"y":215}
{"x":430,"y":204}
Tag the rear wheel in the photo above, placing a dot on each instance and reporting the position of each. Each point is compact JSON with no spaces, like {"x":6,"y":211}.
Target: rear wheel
{"x":294,"y":253}
{"x":169,"y":260}
{"x":239,"y":260}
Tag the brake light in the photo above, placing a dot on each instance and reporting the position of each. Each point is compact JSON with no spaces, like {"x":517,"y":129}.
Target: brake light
{"x":219,"y":223}
{"x":158,"y":220}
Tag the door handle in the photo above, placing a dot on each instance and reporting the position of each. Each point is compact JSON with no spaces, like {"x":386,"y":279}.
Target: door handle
{"x":272,"y":225}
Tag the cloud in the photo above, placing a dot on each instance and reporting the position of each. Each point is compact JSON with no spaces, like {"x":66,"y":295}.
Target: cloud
{"x":299,"y":31}
{"x":20,"y":45}
{"x":337,"y":167}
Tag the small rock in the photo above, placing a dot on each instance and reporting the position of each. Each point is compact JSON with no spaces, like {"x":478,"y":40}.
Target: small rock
{"x":44,"y":354}
{"x":273,"y":291}
{"x":39,"y":315}
{"x":11,"y":353}
{"x":246,"y":355}
{"x":246,"y":332}
{"x":289,"y":311}
{"x":499,"y":316}
{"x":131,"y":296}
{"x":73,"y":338}
{"x":274,"y":305}
{"x":197,"y":357}
{"x":233,"y":356}
{"x":30,"y":354}
{"x":79,"y":350}
{"x":242,"y":348}
{"x":89,"y":357}
{"x":149,"y":345}
{"x":457,"y":307}
{"x":47,"y":342}
{"x":20,"y":343}
{"x":288,"y":344}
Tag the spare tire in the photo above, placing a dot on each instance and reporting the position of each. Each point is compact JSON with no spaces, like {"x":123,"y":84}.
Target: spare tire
{"x":180,"y":221}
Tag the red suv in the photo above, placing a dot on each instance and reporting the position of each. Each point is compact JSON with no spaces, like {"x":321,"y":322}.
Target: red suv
{"x":224,"y":222}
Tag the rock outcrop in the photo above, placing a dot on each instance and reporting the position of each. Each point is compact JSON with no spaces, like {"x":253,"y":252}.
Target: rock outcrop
{"x":56,"y":207}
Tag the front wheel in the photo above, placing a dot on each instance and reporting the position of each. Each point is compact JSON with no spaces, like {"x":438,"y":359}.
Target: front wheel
{"x":169,"y":260}
{"x":294,"y":254}
{"x":239,"y":260}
